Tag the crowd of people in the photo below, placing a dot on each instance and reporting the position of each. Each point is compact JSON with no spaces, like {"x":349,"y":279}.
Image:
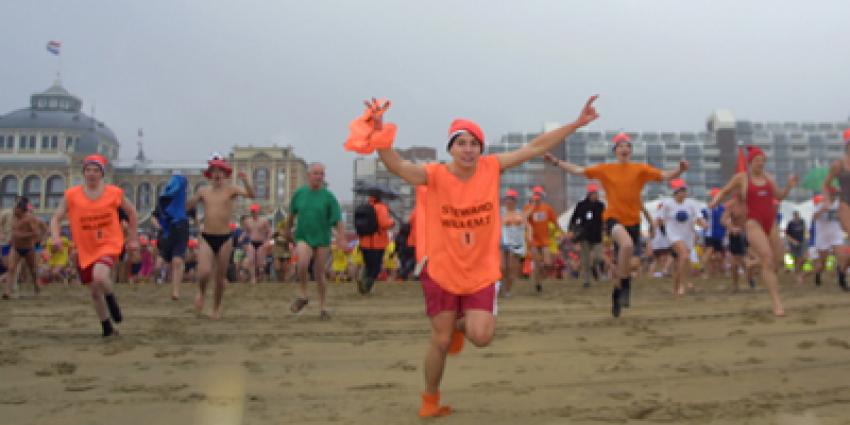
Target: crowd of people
{"x":465,"y":243}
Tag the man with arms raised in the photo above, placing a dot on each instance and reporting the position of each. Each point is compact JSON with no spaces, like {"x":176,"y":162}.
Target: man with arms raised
{"x":216,"y":245}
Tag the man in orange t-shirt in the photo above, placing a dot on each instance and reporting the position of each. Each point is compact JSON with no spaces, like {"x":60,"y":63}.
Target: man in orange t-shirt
{"x":458,"y":234}
{"x":623,"y":182}
{"x":92,"y":210}
{"x":539,"y":214}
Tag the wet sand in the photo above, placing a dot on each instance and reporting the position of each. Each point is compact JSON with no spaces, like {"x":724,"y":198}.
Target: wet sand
{"x":559,"y":358}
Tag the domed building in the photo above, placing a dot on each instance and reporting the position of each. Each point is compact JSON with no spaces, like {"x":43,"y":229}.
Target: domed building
{"x":42,"y":147}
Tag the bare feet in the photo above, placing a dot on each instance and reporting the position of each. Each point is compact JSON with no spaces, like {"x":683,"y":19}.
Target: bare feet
{"x":199,"y":302}
{"x":779,"y":312}
{"x":216,"y":314}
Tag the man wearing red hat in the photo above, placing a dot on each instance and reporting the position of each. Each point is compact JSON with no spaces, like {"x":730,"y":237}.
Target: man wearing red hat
{"x":92,"y":211}
{"x":623,"y":182}
{"x":540,"y":215}
{"x":459,"y":226}
{"x":216,"y":245}
{"x":679,"y":215}
{"x":259,"y":231}
{"x":586,"y":228}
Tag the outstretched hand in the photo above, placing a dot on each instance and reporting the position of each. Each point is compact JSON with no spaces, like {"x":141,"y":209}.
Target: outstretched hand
{"x":375,"y":109}
{"x":551,"y":158}
{"x":588,"y":113}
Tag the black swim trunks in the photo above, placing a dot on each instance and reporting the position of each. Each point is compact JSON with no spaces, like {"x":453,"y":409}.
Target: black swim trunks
{"x":216,"y":241}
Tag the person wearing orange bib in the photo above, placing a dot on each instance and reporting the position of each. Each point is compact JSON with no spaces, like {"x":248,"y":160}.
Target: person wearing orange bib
{"x":539,"y":215}
{"x":458,"y":235}
{"x":623,"y":182}
{"x":92,"y":211}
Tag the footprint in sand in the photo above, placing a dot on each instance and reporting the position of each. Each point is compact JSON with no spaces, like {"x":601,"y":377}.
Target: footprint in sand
{"x":737,"y":332}
{"x":755,"y":342}
{"x":835,"y":342}
{"x":61,"y":368}
{"x":805,"y":345}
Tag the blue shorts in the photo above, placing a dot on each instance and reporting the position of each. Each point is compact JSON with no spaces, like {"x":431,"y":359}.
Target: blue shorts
{"x":5,"y":250}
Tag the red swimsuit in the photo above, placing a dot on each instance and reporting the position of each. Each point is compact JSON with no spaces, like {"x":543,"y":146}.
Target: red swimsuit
{"x":760,"y":204}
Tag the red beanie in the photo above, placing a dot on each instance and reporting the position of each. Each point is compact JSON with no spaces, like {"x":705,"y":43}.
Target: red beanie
{"x":462,"y":125}
{"x":753,"y":151}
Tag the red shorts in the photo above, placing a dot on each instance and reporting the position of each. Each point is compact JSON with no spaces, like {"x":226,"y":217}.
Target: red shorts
{"x":438,"y":299}
{"x":87,"y":274}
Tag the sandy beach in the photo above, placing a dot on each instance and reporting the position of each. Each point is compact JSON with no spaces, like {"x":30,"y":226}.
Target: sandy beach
{"x":709,"y":358}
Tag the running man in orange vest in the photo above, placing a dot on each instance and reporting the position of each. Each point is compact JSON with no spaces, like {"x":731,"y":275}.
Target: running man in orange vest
{"x":459,"y":226}
{"x":92,"y":210}
{"x":539,"y":214}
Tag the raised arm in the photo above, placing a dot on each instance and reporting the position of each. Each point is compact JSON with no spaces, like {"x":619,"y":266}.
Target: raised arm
{"x":792,"y":183}
{"x":408,"y":171}
{"x":546,"y":141}
{"x":834,"y":169}
{"x":734,"y":184}
{"x":192,"y":202}
{"x":676,"y":172}
{"x":576,"y":170}
{"x":246,"y":191}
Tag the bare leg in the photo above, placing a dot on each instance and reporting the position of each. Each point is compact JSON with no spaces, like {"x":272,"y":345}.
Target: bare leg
{"x":763,"y":247}
{"x":321,"y":258}
{"x":30,"y":262}
{"x":305,"y":254}
{"x":681,"y":268}
{"x":177,"y":269}
{"x":442,"y":326}
{"x":220,"y":272}
{"x":205,"y":266}
{"x":11,"y":273}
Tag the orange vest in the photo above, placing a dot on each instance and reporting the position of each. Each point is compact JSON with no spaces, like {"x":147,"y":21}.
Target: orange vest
{"x":463,"y":227}
{"x":95,"y":227}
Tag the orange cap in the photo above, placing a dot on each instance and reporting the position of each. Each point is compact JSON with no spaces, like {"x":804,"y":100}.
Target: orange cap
{"x":468,"y":126}
{"x":510,"y":193}
{"x":621,"y":137}
{"x":677,"y":184}
{"x":714,"y":192}
{"x":592,"y":188}
{"x":847,"y":135}
{"x":817,"y":199}
{"x":255,"y":207}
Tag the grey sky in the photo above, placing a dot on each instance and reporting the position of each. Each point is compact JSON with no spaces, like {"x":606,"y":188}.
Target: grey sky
{"x":200,"y":76}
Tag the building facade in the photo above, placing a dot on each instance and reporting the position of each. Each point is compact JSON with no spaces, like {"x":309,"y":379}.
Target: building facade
{"x":371,"y":171}
{"x":42,"y":147}
{"x":534,"y":172}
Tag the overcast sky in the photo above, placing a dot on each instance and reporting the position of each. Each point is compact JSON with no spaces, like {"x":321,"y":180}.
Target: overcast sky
{"x":202,"y":76}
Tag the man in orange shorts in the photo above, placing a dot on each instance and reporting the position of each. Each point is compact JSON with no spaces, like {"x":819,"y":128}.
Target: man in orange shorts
{"x":92,"y":210}
{"x":539,"y":214}
{"x":623,"y":182}
{"x":458,"y":234}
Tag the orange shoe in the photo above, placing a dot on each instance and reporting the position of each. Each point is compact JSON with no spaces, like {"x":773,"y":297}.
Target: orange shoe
{"x":431,"y":406}
{"x":456,"y":346}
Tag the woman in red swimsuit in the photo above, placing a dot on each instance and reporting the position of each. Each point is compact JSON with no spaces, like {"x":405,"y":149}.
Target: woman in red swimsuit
{"x":759,"y":191}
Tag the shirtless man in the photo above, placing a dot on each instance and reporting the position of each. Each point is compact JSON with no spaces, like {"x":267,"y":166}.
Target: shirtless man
{"x":734,"y":218}
{"x":26,"y":231}
{"x":216,"y":244}
{"x":92,"y":210}
{"x":259,"y":232}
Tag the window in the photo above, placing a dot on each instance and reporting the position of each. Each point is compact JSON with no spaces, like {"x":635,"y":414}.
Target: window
{"x":261,"y":183}
{"x":8,"y":191}
{"x":22,"y":142}
{"x":45,"y":142}
{"x":53,"y":102}
{"x":128,"y":191}
{"x":32,"y":142}
{"x":2,"y":142}
{"x":54,"y":142}
{"x":69,"y":143}
{"x":55,"y":191}
{"x":160,"y":189}
{"x":144,"y":197}
{"x":32,"y":190}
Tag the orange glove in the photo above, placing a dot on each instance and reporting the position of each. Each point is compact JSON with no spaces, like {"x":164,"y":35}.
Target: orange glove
{"x":368,"y":132}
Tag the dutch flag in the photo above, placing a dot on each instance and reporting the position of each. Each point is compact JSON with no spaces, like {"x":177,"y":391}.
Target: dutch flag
{"x":53,"y":47}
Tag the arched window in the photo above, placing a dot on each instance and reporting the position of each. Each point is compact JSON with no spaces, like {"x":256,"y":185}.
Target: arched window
{"x":54,"y":142}
{"x":144,"y":197}
{"x":32,"y":190}
{"x":128,"y":191}
{"x":55,"y":191}
{"x":8,"y":191}
{"x":261,"y":183}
